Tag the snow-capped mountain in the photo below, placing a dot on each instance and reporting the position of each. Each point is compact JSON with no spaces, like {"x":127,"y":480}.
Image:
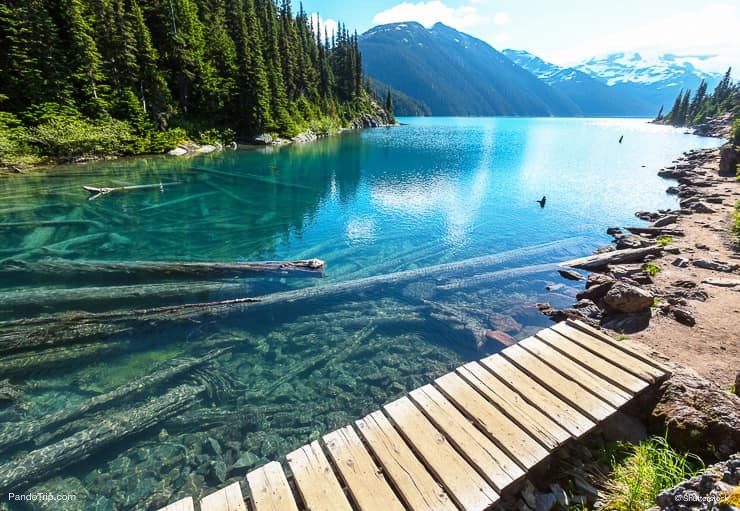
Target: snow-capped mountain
{"x":593,"y":96}
{"x":657,"y":79}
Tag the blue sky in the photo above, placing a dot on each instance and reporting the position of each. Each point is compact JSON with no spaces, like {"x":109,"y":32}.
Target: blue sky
{"x":565,"y":32}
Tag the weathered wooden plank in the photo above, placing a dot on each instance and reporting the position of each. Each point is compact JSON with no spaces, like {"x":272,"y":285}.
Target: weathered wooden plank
{"x":612,"y":353}
{"x":315,"y":480}
{"x":370,"y":491}
{"x":269,"y":489}
{"x":225,"y":499}
{"x":466,"y":487}
{"x":580,"y":325}
{"x":543,"y":399}
{"x":496,"y":466}
{"x":545,"y":430}
{"x":416,"y":486}
{"x":566,"y":388}
{"x":605,"y":390}
{"x":185,"y":504}
{"x":596,"y":363}
{"x":513,"y":439}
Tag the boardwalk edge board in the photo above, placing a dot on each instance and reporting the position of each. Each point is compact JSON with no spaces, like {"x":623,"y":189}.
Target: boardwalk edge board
{"x":461,"y":441}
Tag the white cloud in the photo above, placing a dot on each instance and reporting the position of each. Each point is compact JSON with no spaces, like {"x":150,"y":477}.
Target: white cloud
{"x":433,"y":11}
{"x":710,"y":29}
{"x":329,"y":25}
{"x":501,"y":18}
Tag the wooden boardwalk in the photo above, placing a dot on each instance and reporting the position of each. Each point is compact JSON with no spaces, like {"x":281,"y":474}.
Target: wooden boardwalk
{"x":460,"y":442}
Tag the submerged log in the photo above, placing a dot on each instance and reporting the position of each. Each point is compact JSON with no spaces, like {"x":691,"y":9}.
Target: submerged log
{"x":49,"y":331}
{"x":26,"y":432}
{"x":44,"y":298}
{"x":51,"y":223}
{"x":98,"y":191}
{"x":598,"y":261}
{"x":57,"y":356}
{"x":149,"y":270}
{"x":29,"y":468}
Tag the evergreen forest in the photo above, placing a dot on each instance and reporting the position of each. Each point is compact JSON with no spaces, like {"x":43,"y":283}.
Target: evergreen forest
{"x":116,"y":77}
{"x":690,"y":110}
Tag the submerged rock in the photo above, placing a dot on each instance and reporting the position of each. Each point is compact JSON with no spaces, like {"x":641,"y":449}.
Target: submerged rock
{"x":571,"y":275}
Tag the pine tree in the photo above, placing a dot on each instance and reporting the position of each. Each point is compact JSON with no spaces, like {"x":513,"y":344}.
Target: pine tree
{"x":683,"y":109}
{"x":659,"y":117}
{"x":389,"y":106}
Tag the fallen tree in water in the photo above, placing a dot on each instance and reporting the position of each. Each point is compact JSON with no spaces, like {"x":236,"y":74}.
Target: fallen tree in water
{"x":27,"y":431}
{"x":149,"y":270}
{"x":31,"y":467}
{"x":98,"y":191}
{"x":35,"y":333}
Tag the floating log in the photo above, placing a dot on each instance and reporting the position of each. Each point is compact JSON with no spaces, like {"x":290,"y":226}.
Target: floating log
{"x":149,"y":270}
{"x":35,"y":333}
{"x":98,"y":191}
{"x":598,"y":261}
{"x":28,"y":431}
{"x":655,"y":231}
{"x":29,"y":468}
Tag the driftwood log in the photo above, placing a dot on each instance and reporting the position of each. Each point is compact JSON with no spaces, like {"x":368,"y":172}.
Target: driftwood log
{"x":655,"y":231}
{"x":62,"y":329}
{"x":26,"y":469}
{"x":26,"y":432}
{"x":151,"y":270}
{"x":98,"y":191}
{"x":598,"y":261}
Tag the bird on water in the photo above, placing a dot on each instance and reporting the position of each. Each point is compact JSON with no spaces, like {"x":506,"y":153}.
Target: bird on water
{"x":542,"y":201}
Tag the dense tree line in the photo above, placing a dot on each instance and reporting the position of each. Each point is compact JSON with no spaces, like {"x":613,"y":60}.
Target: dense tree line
{"x":146,"y":72}
{"x":689,"y":110}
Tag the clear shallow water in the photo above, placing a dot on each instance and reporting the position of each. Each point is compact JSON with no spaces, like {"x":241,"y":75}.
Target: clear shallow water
{"x":435,"y":191}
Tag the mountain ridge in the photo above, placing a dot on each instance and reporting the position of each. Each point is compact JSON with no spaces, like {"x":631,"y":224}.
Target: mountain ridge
{"x":455,"y":73}
{"x":594,"y":97}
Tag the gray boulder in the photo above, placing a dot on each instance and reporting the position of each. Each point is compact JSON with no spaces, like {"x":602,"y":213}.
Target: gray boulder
{"x":698,"y":416}
{"x":623,"y":297}
{"x":715,"y":265}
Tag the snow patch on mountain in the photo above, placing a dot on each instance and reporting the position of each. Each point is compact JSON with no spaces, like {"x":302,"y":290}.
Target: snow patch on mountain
{"x":664,"y":70}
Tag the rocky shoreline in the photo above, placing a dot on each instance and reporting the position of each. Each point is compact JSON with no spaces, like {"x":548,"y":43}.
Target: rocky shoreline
{"x":671,"y":289}
{"x":378,"y":119}
{"x":667,"y":268}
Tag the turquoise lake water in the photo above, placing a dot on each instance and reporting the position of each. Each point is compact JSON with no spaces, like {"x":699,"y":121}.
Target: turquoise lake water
{"x":433,"y":191}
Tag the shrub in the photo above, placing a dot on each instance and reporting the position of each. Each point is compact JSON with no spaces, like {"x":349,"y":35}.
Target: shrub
{"x":69,"y":138}
{"x":736,"y":224}
{"x":664,"y":241}
{"x":651,"y":269}
{"x":649,"y":468}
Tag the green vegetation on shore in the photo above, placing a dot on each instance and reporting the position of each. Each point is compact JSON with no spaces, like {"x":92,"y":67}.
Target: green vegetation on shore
{"x":646,"y":470}
{"x":119,"y":77}
{"x":690,"y":110}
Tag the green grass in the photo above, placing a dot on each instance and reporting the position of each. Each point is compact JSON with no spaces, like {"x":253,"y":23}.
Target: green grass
{"x":648,"y":468}
{"x":664,"y":241}
{"x":651,"y":269}
{"x":736,"y":224}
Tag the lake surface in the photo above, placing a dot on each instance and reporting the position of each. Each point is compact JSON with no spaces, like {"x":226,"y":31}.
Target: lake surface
{"x":376,"y":202}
